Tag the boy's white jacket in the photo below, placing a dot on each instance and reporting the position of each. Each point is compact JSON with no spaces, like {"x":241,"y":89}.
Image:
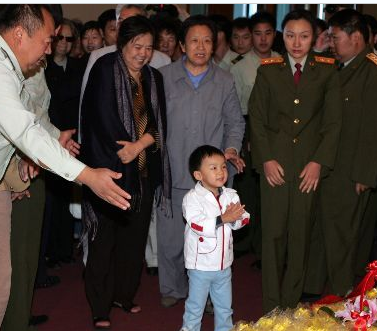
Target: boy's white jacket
{"x":206,"y":247}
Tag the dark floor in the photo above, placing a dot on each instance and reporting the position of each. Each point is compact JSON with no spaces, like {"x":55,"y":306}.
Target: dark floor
{"x":68,"y":310}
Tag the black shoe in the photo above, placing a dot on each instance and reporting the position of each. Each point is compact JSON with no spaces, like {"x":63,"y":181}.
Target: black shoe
{"x":37,"y":319}
{"x":152,"y":271}
{"x":50,"y":281}
{"x":309,"y":297}
{"x":257,"y":265}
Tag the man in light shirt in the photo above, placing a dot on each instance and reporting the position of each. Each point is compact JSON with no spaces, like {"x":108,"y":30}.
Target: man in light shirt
{"x":26,"y":33}
{"x":263,"y":31}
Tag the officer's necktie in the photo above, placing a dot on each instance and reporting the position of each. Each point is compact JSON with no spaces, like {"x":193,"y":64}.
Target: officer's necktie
{"x":297,"y":74}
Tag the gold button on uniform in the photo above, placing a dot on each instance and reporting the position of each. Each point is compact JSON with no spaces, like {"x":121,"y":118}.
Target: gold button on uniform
{"x":295,"y":140}
{"x":296,"y":101}
{"x":346,"y":99}
{"x":296,"y":121}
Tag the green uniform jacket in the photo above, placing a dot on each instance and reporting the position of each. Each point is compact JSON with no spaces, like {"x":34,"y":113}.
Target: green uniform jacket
{"x":295,"y":124}
{"x":357,"y":152}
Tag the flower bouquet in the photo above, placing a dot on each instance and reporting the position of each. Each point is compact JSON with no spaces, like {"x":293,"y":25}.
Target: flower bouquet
{"x":358,"y":312}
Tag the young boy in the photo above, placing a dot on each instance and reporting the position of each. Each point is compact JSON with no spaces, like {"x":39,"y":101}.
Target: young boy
{"x":212,"y":211}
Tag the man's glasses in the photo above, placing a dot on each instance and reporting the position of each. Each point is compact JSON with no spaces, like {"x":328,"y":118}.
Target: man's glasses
{"x":69,"y":39}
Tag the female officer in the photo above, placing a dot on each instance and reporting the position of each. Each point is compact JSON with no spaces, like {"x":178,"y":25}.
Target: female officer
{"x":295,"y":118}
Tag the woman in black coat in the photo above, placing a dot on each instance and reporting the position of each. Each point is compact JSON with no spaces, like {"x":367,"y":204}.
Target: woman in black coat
{"x":124,"y":129}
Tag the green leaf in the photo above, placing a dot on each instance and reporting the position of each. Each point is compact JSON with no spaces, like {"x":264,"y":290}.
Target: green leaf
{"x":330,"y":312}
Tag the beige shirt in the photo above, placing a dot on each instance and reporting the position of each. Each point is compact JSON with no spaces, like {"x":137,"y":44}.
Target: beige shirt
{"x":226,"y":62}
{"x":245,"y":72}
{"x":21,"y":128}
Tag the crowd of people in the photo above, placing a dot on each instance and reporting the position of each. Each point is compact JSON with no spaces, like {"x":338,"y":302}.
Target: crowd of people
{"x":162,"y":117}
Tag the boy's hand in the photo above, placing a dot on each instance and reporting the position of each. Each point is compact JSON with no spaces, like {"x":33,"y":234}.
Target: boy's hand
{"x":233,"y":212}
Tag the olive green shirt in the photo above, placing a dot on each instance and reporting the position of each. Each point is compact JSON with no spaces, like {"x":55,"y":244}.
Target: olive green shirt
{"x":291,"y":124}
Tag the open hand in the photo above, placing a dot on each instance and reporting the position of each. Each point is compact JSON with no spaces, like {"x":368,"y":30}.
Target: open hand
{"x":27,"y":169}
{"x":360,"y":188}
{"x":130,"y":150}
{"x":274,"y":173}
{"x":68,"y":143}
{"x":100,"y":181}
{"x":20,"y":195}
{"x":232,"y":156}
{"x":310,"y":176}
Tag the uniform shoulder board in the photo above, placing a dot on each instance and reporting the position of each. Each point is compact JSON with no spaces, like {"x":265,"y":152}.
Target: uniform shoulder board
{"x":322,"y":59}
{"x":237,"y":59}
{"x":272,"y":60}
{"x":372,"y":57}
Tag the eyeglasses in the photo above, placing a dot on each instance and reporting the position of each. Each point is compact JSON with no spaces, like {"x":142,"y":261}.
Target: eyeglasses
{"x":68,"y":39}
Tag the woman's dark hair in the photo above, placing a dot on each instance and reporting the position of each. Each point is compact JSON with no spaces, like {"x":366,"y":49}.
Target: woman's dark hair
{"x":72,"y":26}
{"x":300,"y":14}
{"x":194,"y":21}
{"x":132,"y":27}
{"x":262,"y":17}
{"x":90,"y":25}
{"x":350,"y":21}
{"x":199,"y":154}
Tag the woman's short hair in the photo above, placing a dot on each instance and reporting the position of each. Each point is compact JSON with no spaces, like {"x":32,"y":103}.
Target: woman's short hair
{"x":72,"y":26}
{"x":195,"y":21}
{"x":350,"y":21}
{"x":132,"y":27}
{"x":300,"y":14}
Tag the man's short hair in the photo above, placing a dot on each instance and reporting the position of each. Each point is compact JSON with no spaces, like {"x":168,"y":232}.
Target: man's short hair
{"x":105,"y":17}
{"x":30,"y":17}
{"x":90,"y":25}
{"x":241,"y":23}
{"x":120,"y":7}
{"x":350,"y":21}
{"x":199,"y":154}
{"x":262,"y":17}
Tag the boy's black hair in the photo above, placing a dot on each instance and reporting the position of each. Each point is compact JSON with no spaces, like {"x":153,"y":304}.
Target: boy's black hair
{"x":199,"y":154}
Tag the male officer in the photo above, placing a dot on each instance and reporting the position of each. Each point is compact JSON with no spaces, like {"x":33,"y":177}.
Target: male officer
{"x":344,"y":194}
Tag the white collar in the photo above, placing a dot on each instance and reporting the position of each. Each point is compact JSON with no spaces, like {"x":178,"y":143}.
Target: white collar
{"x":292,"y":62}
